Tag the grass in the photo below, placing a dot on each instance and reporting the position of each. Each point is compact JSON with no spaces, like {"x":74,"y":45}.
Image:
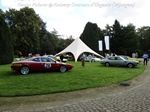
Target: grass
{"x":13,"y":83}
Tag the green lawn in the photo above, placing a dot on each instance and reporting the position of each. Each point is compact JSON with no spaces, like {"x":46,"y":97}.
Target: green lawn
{"x":93,"y":75}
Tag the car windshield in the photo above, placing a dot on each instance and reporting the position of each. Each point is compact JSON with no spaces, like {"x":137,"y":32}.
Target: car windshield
{"x":121,"y":58}
{"x":50,"y":59}
{"x":42,"y":59}
{"x":35,"y":59}
{"x":126,"y":57}
{"x":116,"y":58}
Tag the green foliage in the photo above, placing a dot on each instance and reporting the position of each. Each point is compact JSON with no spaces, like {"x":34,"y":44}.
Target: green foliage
{"x":25,"y":25}
{"x":91,"y":35}
{"x":117,"y":38}
{"x":29,"y":35}
{"x":93,"y":75}
{"x":144,"y":38}
{"x":129,"y":41}
{"x":48,"y":43}
{"x":123,"y":39}
{"x":6,"y":42}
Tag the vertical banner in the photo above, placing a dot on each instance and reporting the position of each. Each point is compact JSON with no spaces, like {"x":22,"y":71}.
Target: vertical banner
{"x":107,"y":42}
{"x":100,"y":45}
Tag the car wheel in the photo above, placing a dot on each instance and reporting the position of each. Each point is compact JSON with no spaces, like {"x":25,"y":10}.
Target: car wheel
{"x":25,"y":70}
{"x":92,"y":60}
{"x":130,"y":65}
{"x":107,"y":64}
{"x":63,"y":69}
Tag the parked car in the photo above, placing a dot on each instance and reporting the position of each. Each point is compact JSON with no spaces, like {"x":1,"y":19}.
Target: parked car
{"x":92,"y":59}
{"x":57,"y":58}
{"x":118,"y":61}
{"x":130,"y":58}
{"x":40,"y":64}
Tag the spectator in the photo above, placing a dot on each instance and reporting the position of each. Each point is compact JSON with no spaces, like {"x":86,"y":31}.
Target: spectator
{"x":83,"y":59}
{"x":145,"y":56}
{"x":133,"y":55}
{"x":90,"y":57}
{"x":20,"y":54}
{"x":114,"y":54}
{"x":136,"y":55}
{"x":107,"y":55}
{"x":61,"y":58}
{"x":30,"y":55}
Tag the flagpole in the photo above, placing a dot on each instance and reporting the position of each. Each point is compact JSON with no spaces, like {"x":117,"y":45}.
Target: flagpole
{"x":109,"y":44}
{"x":100,"y":46}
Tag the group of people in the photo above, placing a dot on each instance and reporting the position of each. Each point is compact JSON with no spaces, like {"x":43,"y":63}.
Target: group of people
{"x":135,"y":55}
{"x":111,"y":54}
{"x":145,"y":57}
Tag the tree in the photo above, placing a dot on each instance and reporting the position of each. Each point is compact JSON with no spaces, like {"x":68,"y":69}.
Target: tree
{"x":116,"y":38}
{"x":61,"y":44}
{"x":129,"y":42}
{"x":49,"y":44}
{"x":69,"y":40}
{"x":144,"y":38}
{"x":123,"y":39}
{"x":25,"y":25}
{"x":91,"y":35}
{"x":6,"y":41}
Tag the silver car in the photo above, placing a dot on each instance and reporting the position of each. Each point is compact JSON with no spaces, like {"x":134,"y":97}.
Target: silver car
{"x":93,"y":59}
{"x":118,"y":61}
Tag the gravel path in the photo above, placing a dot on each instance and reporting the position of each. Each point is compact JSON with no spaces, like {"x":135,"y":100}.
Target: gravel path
{"x":113,"y":98}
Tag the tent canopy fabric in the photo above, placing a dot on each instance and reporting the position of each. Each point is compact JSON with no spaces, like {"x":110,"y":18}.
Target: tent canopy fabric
{"x":77,"y":47}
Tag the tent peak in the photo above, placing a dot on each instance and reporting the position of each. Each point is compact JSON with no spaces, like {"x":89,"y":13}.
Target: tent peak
{"x":77,"y":47}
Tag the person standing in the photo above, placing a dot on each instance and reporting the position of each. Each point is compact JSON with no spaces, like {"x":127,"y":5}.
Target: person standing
{"x":83,"y":59}
{"x":90,"y":57}
{"x":136,"y":55}
{"x":107,"y":55}
{"x":20,"y":54}
{"x":61,"y":58}
{"x":145,"y":57}
{"x":133,"y":55}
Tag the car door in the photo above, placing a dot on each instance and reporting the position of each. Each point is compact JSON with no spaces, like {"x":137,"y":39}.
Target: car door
{"x":120,"y":61}
{"x":112,"y":61}
{"x":49,"y":64}
{"x":45,"y":64}
{"x":35,"y":64}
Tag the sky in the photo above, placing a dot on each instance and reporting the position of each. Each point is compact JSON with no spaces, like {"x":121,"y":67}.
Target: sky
{"x":69,"y":17}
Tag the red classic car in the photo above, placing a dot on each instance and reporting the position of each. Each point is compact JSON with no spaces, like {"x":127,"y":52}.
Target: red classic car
{"x":40,"y":64}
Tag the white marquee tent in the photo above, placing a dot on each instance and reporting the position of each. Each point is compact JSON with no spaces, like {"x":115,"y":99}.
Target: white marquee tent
{"x":77,"y":47}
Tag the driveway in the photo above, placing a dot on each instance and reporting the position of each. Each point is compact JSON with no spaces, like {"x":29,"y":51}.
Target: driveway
{"x":113,"y":98}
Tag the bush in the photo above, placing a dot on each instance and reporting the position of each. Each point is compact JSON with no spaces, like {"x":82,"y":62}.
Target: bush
{"x":6,"y":43}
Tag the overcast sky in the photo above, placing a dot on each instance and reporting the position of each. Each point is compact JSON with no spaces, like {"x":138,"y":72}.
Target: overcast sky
{"x":69,"y":17}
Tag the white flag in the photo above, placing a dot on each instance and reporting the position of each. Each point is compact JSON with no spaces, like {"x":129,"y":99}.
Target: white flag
{"x":100,"y":45}
{"x":107,"y":42}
